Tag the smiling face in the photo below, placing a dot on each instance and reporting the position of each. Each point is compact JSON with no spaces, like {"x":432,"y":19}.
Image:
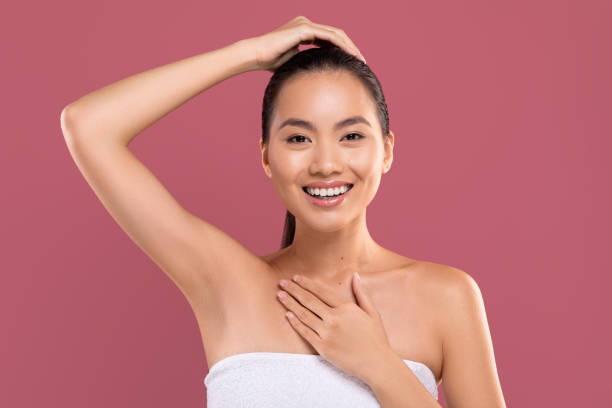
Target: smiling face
{"x":311,"y":140}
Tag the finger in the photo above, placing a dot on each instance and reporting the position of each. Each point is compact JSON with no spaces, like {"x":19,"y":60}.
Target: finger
{"x":305,"y":331}
{"x":313,"y":32}
{"x":303,"y":313}
{"x":285,"y":57}
{"x":308,"y":299}
{"x":321,"y":290}
{"x":344,"y":36}
{"x":363,"y":297}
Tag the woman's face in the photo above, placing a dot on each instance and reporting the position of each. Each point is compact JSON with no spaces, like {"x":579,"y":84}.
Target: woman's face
{"x":297,"y":155}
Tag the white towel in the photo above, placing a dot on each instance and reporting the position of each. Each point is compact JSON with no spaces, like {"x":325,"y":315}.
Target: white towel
{"x":291,"y":380}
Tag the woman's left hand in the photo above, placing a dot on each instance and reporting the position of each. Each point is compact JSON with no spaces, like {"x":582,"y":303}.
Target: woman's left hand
{"x":350,"y":336}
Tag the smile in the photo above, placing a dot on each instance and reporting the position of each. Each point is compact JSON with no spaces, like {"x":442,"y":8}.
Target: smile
{"x":320,"y":198}
{"x":327,"y":193}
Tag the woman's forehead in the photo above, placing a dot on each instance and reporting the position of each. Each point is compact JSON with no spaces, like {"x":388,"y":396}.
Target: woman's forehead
{"x":315,"y":83}
{"x":324,"y":99}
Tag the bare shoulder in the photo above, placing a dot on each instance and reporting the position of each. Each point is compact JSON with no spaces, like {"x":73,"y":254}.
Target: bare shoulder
{"x":469,"y":371}
{"x":458,"y":291}
{"x":419,"y":291}
{"x":432,"y":286}
{"x":442,"y":288}
{"x":439,"y":278}
{"x":446,"y":280}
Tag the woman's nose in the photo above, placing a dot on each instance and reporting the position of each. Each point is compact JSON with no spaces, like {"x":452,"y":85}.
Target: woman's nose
{"x":325,"y":160}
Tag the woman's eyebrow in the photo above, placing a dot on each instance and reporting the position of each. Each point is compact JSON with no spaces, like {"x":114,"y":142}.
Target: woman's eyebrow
{"x":310,"y":126}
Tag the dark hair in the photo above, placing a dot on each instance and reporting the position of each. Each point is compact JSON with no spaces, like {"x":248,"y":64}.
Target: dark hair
{"x":320,"y":59}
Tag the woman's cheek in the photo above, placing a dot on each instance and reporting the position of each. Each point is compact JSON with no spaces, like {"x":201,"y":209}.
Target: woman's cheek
{"x":363,"y":162}
{"x":284,"y":175}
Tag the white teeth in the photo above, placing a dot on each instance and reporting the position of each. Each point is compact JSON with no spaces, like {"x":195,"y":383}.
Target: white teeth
{"x":327,"y":192}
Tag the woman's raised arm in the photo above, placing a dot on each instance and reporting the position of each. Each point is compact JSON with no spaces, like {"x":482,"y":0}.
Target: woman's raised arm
{"x":98,"y":128}
{"x":118,"y":112}
{"x":200,"y":258}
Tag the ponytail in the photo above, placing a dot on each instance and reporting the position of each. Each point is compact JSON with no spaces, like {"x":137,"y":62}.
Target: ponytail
{"x":289,"y":230}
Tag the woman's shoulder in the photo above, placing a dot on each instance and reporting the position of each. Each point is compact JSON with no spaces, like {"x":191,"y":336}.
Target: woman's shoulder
{"x":444,"y":277}
{"x":431,"y":278}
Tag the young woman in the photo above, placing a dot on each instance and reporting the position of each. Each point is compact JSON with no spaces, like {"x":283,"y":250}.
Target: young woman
{"x":387,"y":336}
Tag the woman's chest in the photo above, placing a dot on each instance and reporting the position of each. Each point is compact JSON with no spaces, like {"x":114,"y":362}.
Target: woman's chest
{"x":254,"y":320}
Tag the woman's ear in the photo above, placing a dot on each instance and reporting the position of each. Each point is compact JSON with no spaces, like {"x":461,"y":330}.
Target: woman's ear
{"x":264,"y":158}
{"x":388,"y":156}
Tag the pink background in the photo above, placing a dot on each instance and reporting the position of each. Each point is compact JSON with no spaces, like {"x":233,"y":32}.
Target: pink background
{"x":500,"y":169}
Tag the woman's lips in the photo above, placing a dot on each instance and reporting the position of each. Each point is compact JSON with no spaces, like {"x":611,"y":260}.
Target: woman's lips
{"x":327,"y":202}
{"x":328,"y":184}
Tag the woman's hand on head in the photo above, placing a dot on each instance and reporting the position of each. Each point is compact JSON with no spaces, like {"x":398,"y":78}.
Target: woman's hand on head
{"x":276,"y":47}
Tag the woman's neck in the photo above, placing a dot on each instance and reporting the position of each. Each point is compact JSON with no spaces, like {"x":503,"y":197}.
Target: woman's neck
{"x":332,"y":255}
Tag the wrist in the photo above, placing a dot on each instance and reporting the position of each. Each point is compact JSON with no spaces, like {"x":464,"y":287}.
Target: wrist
{"x":379,"y":372}
{"x":246,"y":55}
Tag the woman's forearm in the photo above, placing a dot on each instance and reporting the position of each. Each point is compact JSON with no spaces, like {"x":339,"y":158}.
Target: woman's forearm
{"x":121,"y":110}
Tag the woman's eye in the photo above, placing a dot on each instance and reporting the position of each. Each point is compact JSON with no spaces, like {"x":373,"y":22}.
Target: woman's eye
{"x":290,"y":140}
{"x":356,"y":134}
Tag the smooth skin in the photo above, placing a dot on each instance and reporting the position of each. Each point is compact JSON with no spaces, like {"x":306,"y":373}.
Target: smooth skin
{"x":432,"y":313}
{"x":329,"y":243}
